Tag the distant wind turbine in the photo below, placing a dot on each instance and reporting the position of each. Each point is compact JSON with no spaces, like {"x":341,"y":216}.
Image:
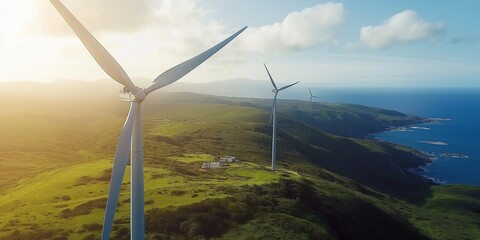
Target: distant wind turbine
{"x":273,"y":118}
{"x":130,"y":140}
{"x":311,"y":97}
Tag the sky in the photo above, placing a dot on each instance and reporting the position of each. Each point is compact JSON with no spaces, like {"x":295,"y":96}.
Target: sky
{"x":408,"y":43}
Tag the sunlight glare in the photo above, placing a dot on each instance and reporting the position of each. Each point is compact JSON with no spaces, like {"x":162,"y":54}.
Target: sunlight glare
{"x":15,"y":16}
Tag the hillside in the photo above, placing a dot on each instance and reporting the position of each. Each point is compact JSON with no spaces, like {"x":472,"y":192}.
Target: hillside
{"x":346,"y":120}
{"x":59,"y":143}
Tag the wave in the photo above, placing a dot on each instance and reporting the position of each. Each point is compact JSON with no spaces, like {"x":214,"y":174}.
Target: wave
{"x":453,"y":155}
{"x":420,"y":128}
{"x":435,"y":143}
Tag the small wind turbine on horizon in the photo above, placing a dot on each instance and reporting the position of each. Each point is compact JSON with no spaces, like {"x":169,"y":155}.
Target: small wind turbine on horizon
{"x":273,"y":117}
{"x":130,"y":140}
{"x":311,"y":97}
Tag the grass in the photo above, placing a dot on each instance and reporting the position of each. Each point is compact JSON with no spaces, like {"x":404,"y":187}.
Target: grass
{"x":194,"y":158}
{"x":451,"y":211}
{"x":55,"y":173}
{"x":71,"y":189}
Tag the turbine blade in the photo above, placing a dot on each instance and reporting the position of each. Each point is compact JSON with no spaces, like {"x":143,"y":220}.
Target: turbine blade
{"x":311,"y":95}
{"x":177,"y":72}
{"x":270,"y":76}
{"x":282,"y":88}
{"x":98,"y":52}
{"x":119,"y":165}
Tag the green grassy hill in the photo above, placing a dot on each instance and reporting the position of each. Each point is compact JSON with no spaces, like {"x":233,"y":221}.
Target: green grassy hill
{"x":346,"y":120}
{"x":57,"y":156}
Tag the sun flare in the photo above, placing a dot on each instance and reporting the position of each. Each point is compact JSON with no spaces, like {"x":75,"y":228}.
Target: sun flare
{"x":15,"y":16}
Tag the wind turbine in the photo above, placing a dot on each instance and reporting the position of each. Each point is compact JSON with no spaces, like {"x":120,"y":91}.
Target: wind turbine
{"x":130,"y":140}
{"x":311,"y":97}
{"x":273,"y":117}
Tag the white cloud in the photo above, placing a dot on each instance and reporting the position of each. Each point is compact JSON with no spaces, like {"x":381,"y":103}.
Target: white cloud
{"x":177,"y":27}
{"x":182,"y":27}
{"x":298,"y":30}
{"x":145,"y":36}
{"x":182,"y":24}
{"x":403,"y":27}
{"x":98,"y":16}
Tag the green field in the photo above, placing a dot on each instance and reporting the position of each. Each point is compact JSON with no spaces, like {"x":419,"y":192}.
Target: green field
{"x":57,"y":151}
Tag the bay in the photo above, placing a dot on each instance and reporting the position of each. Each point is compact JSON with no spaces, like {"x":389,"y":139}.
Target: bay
{"x":453,"y":141}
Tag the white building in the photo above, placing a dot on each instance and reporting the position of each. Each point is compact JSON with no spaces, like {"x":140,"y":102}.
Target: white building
{"x":222,"y":161}
{"x":210,"y":165}
{"x":228,"y":159}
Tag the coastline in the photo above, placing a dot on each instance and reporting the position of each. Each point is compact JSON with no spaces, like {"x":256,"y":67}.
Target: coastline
{"x":422,"y":167}
{"x":403,"y":127}
{"x":421,"y":170}
{"x":426,"y":158}
{"x":452,"y":156}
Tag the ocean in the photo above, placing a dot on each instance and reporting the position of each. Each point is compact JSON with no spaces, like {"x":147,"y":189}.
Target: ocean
{"x":452,"y":140}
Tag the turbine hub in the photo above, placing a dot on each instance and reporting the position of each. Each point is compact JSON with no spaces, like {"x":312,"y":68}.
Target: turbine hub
{"x":139,"y":95}
{"x":274,"y":90}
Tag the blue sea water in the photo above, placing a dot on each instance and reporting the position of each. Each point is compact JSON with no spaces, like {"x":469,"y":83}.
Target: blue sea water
{"x":458,"y":135}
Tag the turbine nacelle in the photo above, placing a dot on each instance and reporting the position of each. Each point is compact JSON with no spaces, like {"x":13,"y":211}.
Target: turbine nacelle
{"x":275,"y":90}
{"x":129,"y":96}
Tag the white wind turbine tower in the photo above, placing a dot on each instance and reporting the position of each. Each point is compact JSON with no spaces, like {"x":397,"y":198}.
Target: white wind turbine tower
{"x":273,"y":118}
{"x":130,"y":140}
{"x":311,"y":97}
